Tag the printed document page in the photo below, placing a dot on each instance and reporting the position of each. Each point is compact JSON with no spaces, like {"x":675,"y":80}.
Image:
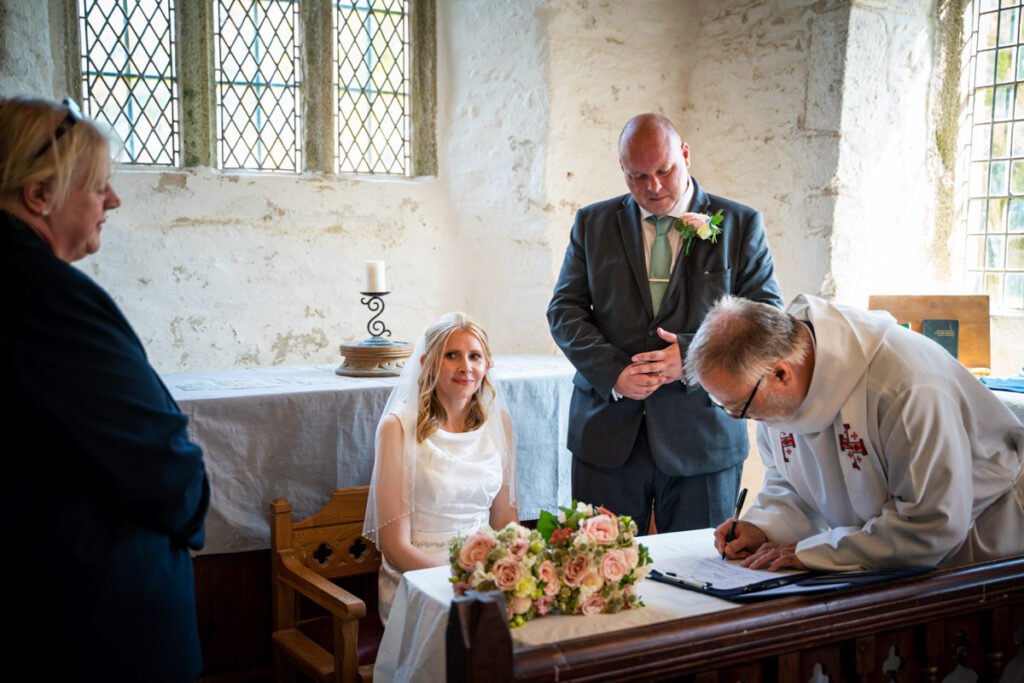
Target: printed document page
{"x":716,"y":573}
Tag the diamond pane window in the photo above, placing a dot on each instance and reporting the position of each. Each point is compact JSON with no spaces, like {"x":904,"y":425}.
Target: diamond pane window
{"x":373,"y":86}
{"x":994,"y":254}
{"x":257,"y":82}
{"x":128,"y":75}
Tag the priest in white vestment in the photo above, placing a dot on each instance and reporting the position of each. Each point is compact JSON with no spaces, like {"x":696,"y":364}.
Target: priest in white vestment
{"x":881,"y":450}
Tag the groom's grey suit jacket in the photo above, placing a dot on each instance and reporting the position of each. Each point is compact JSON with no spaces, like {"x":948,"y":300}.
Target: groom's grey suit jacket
{"x":600,"y":316}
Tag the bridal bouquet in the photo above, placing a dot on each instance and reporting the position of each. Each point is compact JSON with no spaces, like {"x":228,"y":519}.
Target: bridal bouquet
{"x":597,"y":557}
{"x":512,"y":561}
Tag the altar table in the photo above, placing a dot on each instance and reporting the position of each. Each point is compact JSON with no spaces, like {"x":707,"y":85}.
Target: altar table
{"x":300,"y":432}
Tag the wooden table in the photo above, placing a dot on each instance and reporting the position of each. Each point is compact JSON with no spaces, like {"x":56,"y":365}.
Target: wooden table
{"x":413,"y":646}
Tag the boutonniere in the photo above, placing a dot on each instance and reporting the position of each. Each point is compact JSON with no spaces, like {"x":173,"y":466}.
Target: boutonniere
{"x":700,"y":225}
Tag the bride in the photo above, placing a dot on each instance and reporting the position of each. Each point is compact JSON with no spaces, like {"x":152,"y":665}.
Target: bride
{"x":445,"y":454}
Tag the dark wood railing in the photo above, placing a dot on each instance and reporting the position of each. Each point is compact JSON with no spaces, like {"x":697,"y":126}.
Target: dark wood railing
{"x":913,"y":629}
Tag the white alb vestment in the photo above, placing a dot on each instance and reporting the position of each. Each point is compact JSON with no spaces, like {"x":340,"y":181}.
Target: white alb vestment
{"x":457,"y":478}
{"x":898,"y":456}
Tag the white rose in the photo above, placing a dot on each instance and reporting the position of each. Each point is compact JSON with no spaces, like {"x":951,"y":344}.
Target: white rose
{"x":704,"y":231}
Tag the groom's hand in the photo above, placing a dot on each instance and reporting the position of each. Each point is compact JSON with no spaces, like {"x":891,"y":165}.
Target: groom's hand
{"x":666,"y":364}
{"x":636,"y":382}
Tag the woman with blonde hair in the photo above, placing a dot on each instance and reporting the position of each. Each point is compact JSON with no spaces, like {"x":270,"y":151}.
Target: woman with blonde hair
{"x":445,"y":455}
{"x":106,"y":493}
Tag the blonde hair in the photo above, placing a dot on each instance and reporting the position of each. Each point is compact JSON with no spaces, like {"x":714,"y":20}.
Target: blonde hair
{"x":29,"y":125}
{"x":431,"y":414}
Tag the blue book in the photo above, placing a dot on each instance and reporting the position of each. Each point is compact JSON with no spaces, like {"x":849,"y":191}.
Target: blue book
{"x":945,"y":333}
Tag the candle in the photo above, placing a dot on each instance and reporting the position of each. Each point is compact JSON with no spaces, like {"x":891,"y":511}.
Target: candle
{"x":375,"y":278}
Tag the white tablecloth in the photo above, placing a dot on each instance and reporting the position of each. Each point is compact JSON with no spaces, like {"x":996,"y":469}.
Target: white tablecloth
{"x":413,"y":647}
{"x":300,"y":432}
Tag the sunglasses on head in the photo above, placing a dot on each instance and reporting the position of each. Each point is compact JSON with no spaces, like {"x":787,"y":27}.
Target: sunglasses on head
{"x":73,"y":117}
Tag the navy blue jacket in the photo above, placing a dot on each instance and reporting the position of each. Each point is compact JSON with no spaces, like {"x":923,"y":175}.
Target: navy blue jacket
{"x":105,"y":492}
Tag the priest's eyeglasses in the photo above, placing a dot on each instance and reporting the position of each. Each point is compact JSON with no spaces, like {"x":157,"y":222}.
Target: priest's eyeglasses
{"x":731,"y":410}
{"x":73,"y":117}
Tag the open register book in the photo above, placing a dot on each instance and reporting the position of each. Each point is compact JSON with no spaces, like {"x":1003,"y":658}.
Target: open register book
{"x":727,"y":579}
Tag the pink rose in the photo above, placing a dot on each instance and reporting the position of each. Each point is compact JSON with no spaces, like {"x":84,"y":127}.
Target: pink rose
{"x":506,"y":573}
{"x":614,"y":566}
{"x":632,"y":555}
{"x":549,"y":575}
{"x":695,"y":220}
{"x":601,"y":529}
{"x":592,"y":605}
{"x":476,"y":549}
{"x":520,"y":605}
{"x":519,"y":547}
{"x":543,"y":606}
{"x":575,"y":569}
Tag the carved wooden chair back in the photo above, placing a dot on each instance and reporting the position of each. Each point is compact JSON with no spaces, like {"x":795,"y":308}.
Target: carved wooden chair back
{"x":330,"y":542}
{"x":306,"y":557}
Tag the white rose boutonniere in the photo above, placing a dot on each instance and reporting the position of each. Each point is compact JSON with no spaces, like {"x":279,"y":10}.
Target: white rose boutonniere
{"x":699,"y":225}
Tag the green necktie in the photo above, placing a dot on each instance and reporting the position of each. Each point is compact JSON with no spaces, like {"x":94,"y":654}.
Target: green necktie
{"x":661,"y":259}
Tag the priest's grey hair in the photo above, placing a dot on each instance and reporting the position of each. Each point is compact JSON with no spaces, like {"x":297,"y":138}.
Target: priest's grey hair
{"x":744,"y":338}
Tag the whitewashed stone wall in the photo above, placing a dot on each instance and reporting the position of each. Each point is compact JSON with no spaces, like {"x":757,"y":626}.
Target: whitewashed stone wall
{"x":815,"y":112}
{"x":885,"y":184}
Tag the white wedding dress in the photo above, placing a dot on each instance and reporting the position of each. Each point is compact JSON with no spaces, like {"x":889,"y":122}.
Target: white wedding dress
{"x":457,"y":479}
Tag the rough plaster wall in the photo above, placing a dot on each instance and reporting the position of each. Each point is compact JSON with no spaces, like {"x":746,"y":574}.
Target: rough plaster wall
{"x":493,"y":163}
{"x":884,"y":219}
{"x":243,"y":270}
{"x":754,"y":88}
{"x":605,"y":64}
{"x":24,"y":64}
{"x":222,"y":271}
{"x":763,"y":104}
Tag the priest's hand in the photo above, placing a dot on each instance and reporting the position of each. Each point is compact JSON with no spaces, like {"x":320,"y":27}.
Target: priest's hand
{"x":773,"y":556}
{"x":746,"y":539}
{"x":666,"y":363}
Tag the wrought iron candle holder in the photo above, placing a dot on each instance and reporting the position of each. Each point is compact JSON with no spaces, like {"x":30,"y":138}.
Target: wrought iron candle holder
{"x":375,"y":356}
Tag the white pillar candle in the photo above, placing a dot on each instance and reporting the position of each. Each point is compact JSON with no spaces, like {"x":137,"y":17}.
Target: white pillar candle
{"x":376,"y":281}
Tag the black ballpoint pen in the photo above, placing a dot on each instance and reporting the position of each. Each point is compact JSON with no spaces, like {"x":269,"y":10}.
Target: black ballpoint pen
{"x":735,"y":515}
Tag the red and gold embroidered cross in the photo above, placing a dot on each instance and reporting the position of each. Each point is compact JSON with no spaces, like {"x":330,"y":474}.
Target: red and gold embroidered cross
{"x":788,"y":445}
{"x":852,"y":446}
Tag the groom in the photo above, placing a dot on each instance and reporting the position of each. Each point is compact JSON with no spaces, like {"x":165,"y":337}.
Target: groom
{"x":639,"y":438}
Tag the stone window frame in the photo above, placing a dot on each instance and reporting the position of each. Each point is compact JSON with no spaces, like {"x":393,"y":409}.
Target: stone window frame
{"x":195,"y":66}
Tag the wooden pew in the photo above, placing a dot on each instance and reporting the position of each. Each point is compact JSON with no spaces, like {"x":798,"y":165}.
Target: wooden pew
{"x":914,"y":629}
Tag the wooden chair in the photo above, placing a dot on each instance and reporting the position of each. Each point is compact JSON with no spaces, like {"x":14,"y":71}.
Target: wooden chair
{"x":971,"y":310}
{"x":306,"y":557}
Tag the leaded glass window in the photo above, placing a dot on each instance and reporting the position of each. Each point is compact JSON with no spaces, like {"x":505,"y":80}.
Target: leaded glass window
{"x":373,"y":86}
{"x":258,"y":79}
{"x":995,"y":113}
{"x":266,"y":85}
{"x":128,"y":75}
